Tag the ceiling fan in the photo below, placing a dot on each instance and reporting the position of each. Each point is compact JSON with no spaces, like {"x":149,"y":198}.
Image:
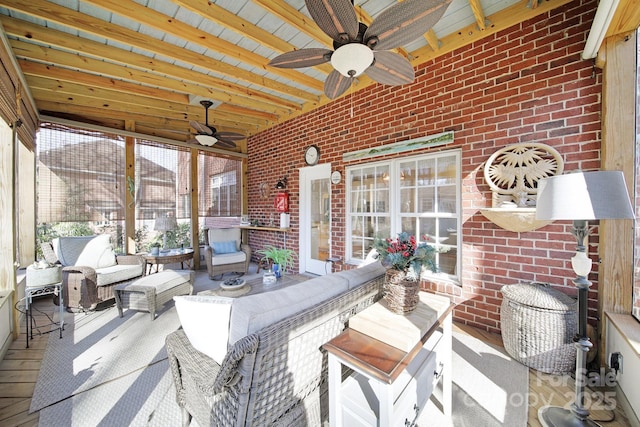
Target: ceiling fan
{"x":208,"y":135}
{"x":360,"y":49}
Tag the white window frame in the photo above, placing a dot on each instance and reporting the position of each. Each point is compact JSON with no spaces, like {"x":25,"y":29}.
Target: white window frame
{"x":219,"y":183}
{"x":394,"y":213}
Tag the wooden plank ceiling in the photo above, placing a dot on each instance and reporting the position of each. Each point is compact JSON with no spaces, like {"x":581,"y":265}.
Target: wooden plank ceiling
{"x":144,"y":65}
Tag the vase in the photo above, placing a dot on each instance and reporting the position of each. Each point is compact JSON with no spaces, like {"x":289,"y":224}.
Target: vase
{"x":401,"y":294}
{"x":277,"y":271}
{"x":269,"y":278}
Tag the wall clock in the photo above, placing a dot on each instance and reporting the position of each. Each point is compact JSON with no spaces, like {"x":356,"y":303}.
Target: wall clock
{"x":336,"y":177}
{"x":312,"y":155}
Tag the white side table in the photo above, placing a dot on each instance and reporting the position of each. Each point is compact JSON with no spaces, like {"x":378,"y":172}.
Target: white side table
{"x":39,"y":290}
{"x":390,"y":386}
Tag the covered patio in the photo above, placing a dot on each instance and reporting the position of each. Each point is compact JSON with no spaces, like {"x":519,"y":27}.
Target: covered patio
{"x":126,"y":78}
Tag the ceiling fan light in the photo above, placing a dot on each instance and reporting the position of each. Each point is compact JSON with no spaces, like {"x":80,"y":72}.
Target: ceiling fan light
{"x":206,"y":140}
{"x":352,"y":59}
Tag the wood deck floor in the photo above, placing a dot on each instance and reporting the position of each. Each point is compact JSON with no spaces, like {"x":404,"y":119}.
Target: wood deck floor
{"x":19,"y":372}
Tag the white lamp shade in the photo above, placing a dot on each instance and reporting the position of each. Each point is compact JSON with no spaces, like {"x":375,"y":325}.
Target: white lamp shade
{"x":352,"y":59}
{"x":584,"y":196}
{"x":165,"y":223}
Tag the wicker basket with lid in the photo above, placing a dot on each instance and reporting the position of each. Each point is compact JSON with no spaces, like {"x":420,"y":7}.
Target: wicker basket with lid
{"x":538,"y":326}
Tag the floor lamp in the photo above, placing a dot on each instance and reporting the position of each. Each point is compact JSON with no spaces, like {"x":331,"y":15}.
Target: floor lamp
{"x":580,"y":197}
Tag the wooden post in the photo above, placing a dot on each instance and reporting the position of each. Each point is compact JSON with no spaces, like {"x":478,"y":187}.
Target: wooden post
{"x":615,"y":281}
{"x":194,"y":209}
{"x":130,"y":196}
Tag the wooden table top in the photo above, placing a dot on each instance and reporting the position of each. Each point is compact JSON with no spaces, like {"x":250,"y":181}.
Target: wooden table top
{"x":377,"y":358}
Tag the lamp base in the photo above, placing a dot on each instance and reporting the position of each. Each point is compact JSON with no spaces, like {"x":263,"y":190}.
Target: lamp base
{"x":555,"y":416}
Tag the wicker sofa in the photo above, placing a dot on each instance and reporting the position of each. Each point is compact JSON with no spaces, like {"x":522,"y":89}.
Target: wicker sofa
{"x":274,"y":371}
{"x":90,"y":269}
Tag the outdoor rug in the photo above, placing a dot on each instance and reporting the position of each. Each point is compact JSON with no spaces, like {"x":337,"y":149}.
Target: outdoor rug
{"x":100,"y":347}
{"x":490,"y":389}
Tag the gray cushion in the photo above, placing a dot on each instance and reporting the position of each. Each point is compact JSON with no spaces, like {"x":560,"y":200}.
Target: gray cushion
{"x":232,"y":258}
{"x":163,"y":280}
{"x":254,"y":312}
{"x":357,"y":276}
{"x":118,"y":273}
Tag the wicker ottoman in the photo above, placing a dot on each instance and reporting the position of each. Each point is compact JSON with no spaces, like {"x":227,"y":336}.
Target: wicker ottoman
{"x":538,"y":326}
{"x":150,"y":293}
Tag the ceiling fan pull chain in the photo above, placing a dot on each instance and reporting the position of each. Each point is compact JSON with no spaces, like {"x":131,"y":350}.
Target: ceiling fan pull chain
{"x":351,"y":100}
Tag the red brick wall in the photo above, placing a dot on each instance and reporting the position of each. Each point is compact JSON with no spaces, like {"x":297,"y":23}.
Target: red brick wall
{"x":526,"y":83}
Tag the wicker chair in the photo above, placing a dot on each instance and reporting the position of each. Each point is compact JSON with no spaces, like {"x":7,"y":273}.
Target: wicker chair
{"x":222,"y":256}
{"x":83,"y":286}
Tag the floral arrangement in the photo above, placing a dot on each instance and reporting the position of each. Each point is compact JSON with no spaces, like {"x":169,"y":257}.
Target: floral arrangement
{"x":404,"y":253}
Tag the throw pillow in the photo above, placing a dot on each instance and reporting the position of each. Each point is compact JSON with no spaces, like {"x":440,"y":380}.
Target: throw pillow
{"x":205,"y":321}
{"x":89,"y":251}
{"x":228,"y":247}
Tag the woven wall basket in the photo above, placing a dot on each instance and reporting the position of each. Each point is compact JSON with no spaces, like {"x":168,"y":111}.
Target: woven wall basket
{"x":538,"y":326}
{"x":402,"y":295}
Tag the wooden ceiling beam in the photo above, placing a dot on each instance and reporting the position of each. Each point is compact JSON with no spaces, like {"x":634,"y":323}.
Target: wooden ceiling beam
{"x":223,"y":17}
{"x":626,"y":18}
{"x":30,"y":67}
{"x":107,"y":95}
{"x":478,"y":13}
{"x":296,"y":19}
{"x":93,"y":114}
{"x":433,"y":40}
{"x":176,"y":28}
{"x":247,"y":29}
{"x":111,"y":105}
{"x":187,"y":81}
{"x":37,"y":69}
{"x":64,"y":16}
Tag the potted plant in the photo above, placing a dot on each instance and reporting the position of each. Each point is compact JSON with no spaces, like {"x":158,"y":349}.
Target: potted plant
{"x":404,"y":258}
{"x":281,"y":258}
{"x":154,"y":248}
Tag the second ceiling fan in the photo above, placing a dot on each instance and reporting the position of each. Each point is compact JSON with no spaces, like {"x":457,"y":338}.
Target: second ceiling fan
{"x":209,"y":136}
{"x":360,"y":49}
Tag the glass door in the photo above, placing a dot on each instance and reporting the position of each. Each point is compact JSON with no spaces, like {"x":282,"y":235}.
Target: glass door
{"x":315,"y":219}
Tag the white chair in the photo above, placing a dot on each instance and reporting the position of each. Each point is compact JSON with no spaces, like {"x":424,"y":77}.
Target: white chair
{"x":224,"y":252}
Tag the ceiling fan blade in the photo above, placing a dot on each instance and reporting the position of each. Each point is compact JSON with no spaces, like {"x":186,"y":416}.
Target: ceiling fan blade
{"x":390,"y":68}
{"x":301,"y":58}
{"x":336,"y":84}
{"x":230,"y":136}
{"x":226,"y":143}
{"x":200,"y":128}
{"x":404,"y":22}
{"x":337,"y":18}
